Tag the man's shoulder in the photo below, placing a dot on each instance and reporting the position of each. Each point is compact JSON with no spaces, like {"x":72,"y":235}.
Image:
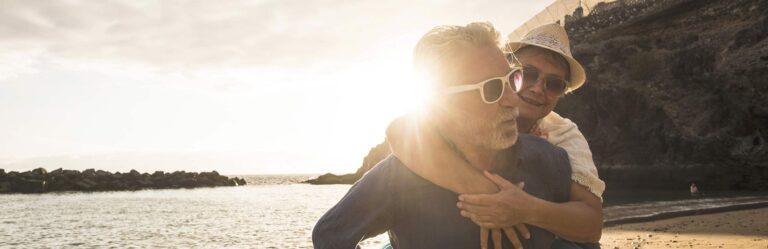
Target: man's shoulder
{"x":389,"y":169}
{"x":548,"y":165}
{"x":387,"y":165}
{"x":536,"y":150}
{"x":395,"y":173}
{"x":533,"y":144}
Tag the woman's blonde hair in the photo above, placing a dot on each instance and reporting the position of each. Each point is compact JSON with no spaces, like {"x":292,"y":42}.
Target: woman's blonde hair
{"x":437,"y":47}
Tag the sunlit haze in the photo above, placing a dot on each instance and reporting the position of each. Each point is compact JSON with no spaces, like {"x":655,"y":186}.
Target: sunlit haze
{"x":242,"y":87}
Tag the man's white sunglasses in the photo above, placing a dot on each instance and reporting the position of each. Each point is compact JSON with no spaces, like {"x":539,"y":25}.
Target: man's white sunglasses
{"x":491,"y":90}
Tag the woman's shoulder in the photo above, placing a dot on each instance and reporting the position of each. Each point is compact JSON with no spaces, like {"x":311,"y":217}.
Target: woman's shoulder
{"x":545,"y":162}
{"x":558,"y":130}
{"x":553,"y":122}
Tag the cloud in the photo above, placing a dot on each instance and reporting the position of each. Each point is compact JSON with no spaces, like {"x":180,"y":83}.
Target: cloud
{"x":223,"y":33}
{"x":185,"y":33}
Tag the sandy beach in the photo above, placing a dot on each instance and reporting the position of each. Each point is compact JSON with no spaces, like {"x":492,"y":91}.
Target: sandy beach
{"x":744,"y":229}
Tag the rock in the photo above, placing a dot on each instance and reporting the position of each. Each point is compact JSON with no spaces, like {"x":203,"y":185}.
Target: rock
{"x":37,"y":174}
{"x":205,"y":182}
{"x":85,"y":184}
{"x":71,"y":173}
{"x":158,"y":174}
{"x":240,"y":182}
{"x":134,"y":173}
{"x":89,"y":173}
{"x":58,"y":171}
{"x":61,"y":185}
{"x":102,"y":173}
{"x":118,"y":185}
{"x":5,"y":187}
{"x":187,"y":183}
{"x":335,"y":179}
{"x":22,"y":185}
{"x":39,"y":171}
{"x":145,"y":182}
{"x":327,"y":179}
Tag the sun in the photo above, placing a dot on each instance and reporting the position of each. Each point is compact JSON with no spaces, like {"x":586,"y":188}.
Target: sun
{"x":367,"y":98}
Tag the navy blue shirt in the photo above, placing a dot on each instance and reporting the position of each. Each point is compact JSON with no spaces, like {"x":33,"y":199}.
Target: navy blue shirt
{"x":419,"y":214}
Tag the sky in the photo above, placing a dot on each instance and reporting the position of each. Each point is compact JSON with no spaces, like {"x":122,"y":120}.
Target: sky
{"x":238,"y":86}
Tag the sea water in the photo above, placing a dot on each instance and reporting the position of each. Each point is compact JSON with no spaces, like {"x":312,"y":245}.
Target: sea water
{"x":270,"y":212}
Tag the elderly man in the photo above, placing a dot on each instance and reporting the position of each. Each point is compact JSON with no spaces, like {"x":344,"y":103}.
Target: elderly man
{"x":549,"y":72}
{"x":475,"y":111}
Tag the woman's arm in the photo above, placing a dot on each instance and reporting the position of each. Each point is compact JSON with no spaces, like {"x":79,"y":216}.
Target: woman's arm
{"x":425,"y":153}
{"x":578,"y":220}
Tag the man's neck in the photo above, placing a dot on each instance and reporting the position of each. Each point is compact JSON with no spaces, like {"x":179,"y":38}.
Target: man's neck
{"x":479,"y":157}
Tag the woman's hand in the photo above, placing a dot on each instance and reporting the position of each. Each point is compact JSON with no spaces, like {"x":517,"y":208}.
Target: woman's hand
{"x":489,"y":213}
{"x":578,"y":220}
{"x":507,"y":208}
{"x":511,"y":235}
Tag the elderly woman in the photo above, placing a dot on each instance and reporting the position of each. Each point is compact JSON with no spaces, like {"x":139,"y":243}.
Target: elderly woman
{"x":492,"y":202}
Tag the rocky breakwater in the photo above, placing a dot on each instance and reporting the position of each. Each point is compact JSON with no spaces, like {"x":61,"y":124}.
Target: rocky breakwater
{"x":41,"y":181}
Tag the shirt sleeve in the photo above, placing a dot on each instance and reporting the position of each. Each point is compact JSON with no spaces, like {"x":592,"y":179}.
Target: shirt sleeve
{"x":364,"y":212}
{"x":563,"y":133}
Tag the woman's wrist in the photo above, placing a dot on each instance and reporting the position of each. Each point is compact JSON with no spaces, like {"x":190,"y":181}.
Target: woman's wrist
{"x":533,"y":212}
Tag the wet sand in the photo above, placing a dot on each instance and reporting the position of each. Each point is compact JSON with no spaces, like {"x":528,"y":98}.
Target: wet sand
{"x":744,"y":229}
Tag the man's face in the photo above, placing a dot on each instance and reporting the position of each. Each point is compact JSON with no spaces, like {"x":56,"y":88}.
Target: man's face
{"x":536,"y":102}
{"x":464,"y":116}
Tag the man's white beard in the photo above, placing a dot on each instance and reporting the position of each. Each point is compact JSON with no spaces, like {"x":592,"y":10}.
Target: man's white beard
{"x":490,"y":134}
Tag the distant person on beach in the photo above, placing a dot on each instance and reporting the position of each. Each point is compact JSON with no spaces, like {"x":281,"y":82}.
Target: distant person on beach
{"x":549,"y":73}
{"x":694,"y":190}
{"x":474,"y":114}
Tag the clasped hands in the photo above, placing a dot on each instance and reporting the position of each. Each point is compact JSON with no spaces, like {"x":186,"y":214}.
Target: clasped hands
{"x":504,"y":211}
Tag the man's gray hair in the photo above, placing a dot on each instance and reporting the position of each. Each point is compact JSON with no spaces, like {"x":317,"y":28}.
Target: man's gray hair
{"x":437,"y":47}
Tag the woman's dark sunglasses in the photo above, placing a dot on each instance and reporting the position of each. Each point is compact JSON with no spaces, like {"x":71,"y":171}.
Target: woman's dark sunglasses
{"x":552,"y":85}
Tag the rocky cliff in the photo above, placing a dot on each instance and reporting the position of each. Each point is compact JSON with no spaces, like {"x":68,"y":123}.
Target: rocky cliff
{"x":376,"y":154}
{"x":675,"y":93}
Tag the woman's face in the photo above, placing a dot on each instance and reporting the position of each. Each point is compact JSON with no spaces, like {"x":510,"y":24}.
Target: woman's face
{"x":536,"y":101}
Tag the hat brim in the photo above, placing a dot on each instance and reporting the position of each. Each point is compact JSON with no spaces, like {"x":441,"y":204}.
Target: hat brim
{"x":577,"y":73}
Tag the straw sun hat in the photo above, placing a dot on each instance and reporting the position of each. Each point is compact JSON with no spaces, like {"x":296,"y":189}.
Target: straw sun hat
{"x":554,"y":38}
